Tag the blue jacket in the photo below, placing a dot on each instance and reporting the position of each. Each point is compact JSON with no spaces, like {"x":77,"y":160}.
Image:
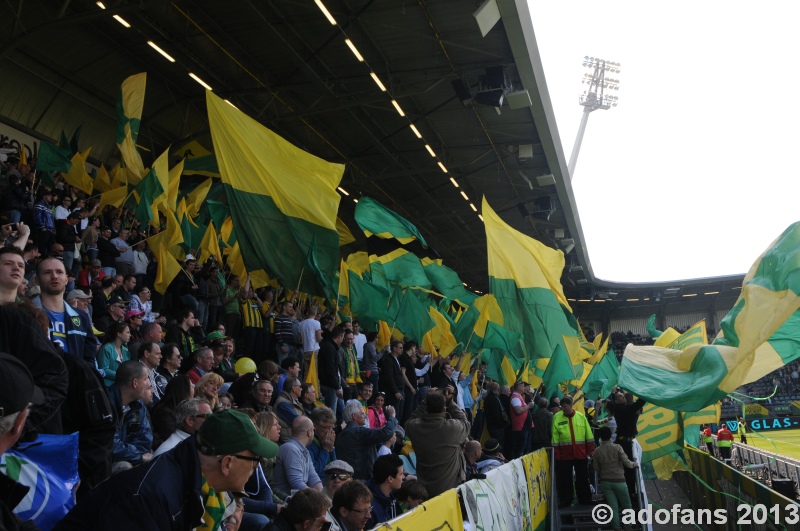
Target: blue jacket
{"x":260,"y":495}
{"x":164,"y":494}
{"x":81,"y":341}
{"x":384,"y":507}
{"x":43,"y":216}
{"x":320,"y":457}
{"x":134,"y":435}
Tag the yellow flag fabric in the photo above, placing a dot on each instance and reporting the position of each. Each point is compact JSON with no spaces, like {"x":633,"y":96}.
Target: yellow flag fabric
{"x":428,"y":346}
{"x":129,"y":111}
{"x":598,"y":354}
{"x":441,"y":335}
{"x":23,"y":156}
{"x":344,"y":288}
{"x":114,"y":197}
{"x":195,"y":198}
{"x":236,"y":263}
{"x":439,"y":513}
{"x":77,"y":175}
{"x":168,"y":269}
{"x":345,"y":236}
{"x":313,"y":377}
{"x":170,"y":236}
{"x":226,"y":230}
{"x":358,"y":262}
{"x":209,"y":245}
{"x":102,"y":181}
{"x":174,"y":185}
{"x":490,"y":311}
{"x":383,"y":336}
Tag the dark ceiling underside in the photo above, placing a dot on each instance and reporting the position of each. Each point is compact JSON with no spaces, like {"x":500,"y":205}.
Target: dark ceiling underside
{"x":284,"y":64}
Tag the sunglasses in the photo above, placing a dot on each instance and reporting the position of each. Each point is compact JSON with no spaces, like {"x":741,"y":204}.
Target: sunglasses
{"x":340,"y":477}
{"x":204,"y":416}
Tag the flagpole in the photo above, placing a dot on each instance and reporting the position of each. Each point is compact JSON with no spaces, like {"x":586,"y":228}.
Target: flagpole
{"x":470,"y":339}
{"x":300,"y":279}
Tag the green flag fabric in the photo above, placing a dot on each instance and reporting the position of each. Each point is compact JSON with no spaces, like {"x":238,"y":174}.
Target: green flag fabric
{"x":412,"y":318}
{"x":367,"y":299}
{"x":53,"y":158}
{"x":760,"y":334}
{"x":558,"y":371}
{"x":602,"y":378}
{"x":498,"y":337}
{"x":280,"y":198}
{"x":524,"y":276}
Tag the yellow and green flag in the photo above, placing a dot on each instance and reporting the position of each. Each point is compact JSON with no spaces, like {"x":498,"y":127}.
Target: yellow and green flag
{"x":524,"y":276}
{"x":759,"y":335}
{"x":281,"y":198}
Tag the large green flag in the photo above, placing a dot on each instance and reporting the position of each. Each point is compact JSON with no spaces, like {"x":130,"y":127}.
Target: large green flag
{"x":558,"y":371}
{"x":759,"y":335}
{"x":447,"y":282}
{"x":409,"y":314}
{"x":602,"y":378}
{"x":367,"y":299}
{"x":500,"y":338}
{"x":53,"y":158}
{"x":524,"y":276}
{"x":148,"y":189}
{"x":130,"y":104}
{"x":280,"y":198}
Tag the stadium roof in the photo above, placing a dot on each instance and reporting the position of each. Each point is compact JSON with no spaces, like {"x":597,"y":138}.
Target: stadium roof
{"x":286,"y":65}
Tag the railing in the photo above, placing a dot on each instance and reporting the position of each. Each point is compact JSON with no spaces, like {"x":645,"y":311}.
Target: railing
{"x":770,"y":468}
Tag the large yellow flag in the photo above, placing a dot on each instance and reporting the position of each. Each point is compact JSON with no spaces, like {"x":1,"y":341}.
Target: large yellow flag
{"x":168,"y":269}
{"x":345,"y":236}
{"x":129,"y":117}
{"x":102,"y":181}
{"x":170,"y":236}
{"x":77,"y":175}
{"x":209,"y":245}
{"x":113,"y":197}
{"x":195,"y":198}
{"x":441,"y":335}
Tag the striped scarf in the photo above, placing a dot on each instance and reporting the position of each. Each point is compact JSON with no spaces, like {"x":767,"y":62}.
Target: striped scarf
{"x":214,"y":504}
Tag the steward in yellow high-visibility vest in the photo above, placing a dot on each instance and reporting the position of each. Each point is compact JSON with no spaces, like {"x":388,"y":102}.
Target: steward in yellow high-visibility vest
{"x":724,"y":442}
{"x":742,"y":431}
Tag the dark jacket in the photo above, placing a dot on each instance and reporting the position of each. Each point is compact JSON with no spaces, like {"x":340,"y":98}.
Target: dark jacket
{"x":164,"y":494}
{"x":356,"y":445}
{"x":626,"y":416}
{"x":88,"y":411}
{"x":279,"y":524}
{"x":107,"y":253}
{"x":493,"y":412}
{"x":384,"y":507}
{"x":328,"y":364}
{"x":11,"y":494}
{"x":391,"y":378}
{"x":542,"y":433}
{"x":65,"y":235}
{"x":259,"y":495}
{"x":23,"y":337}
{"x":133,"y":436}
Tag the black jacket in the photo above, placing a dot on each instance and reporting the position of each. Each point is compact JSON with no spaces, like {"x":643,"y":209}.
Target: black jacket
{"x":391,"y":378}
{"x":107,"y":253}
{"x":626,"y":416}
{"x":23,"y":337}
{"x":493,"y":412}
{"x":328,"y":364}
{"x":11,"y":493}
{"x":164,"y":494}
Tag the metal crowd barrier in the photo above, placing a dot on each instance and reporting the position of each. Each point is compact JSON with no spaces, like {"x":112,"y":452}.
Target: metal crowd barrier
{"x":778,"y":471}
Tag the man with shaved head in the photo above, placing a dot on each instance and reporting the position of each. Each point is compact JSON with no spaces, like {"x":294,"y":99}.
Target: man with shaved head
{"x":294,"y":469}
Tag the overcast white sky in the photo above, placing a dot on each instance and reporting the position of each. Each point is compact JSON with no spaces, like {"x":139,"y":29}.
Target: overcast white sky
{"x":695,"y":172}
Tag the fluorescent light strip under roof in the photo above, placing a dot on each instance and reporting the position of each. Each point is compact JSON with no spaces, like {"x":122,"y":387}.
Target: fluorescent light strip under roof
{"x":342,"y":190}
{"x":480,"y":217}
{"x":690,"y":294}
{"x":232,"y":105}
{"x":397,"y":107}
{"x":167,"y":56}
{"x":377,"y":81}
{"x":454,"y":182}
{"x":101,"y":5}
{"x":464,"y":195}
{"x":711,"y":293}
{"x":206,"y":85}
{"x":416,"y":131}
{"x":122,"y":21}
{"x":325,"y":12}
{"x":353,"y":49}
{"x":355,"y":200}
{"x":430,"y":150}
{"x":442,"y":166}
{"x":472,"y":206}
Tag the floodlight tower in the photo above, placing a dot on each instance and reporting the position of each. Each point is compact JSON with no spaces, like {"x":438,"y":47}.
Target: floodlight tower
{"x":594,"y":97}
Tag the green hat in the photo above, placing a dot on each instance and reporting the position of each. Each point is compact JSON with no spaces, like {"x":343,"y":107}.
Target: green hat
{"x":228,"y":432}
{"x":216,"y":335}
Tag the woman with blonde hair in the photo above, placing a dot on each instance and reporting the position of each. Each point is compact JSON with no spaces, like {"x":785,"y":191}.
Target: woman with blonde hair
{"x":262,"y":503}
{"x":208,"y":387}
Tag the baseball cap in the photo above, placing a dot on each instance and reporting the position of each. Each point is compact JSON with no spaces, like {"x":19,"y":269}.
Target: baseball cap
{"x":77,"y":294}
{"x":343,"y":466}
{"x":96,"y":263}
{"x":17,"y":389}
{"x":216,"y":335}
{"x":115,"y":299}
{"x":133,"y":313}
{"x":491,"y":446}
{"x":228,"y":432}
{"x":588,"y":403}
